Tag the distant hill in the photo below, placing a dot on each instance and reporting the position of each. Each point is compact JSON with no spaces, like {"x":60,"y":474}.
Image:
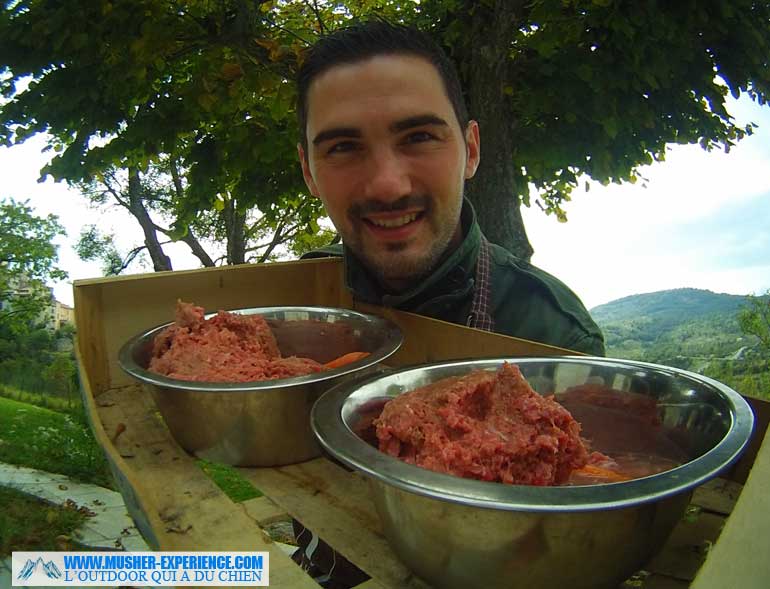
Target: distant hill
{"x":679,"y":327}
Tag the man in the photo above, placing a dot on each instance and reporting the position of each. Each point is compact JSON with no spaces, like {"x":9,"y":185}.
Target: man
{"x":387,"y":145}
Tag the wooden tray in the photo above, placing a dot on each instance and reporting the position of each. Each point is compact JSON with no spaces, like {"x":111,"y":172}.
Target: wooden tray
{"x":177,"y":507}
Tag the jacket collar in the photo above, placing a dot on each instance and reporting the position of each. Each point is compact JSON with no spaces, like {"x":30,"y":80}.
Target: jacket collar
{"x":453,"y":279}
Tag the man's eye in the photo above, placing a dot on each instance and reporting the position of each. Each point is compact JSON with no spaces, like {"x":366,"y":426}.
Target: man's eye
{"x":418,"y":137}
{"x":342,"y":147}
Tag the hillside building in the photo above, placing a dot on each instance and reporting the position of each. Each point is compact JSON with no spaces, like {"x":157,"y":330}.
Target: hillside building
{"x":55,"y":314}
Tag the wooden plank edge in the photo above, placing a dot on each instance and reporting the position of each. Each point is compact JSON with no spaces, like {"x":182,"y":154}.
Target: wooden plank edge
{"x":164,"y":275}
{"x":264,"y":510}
{"x":196,"y":514}
{"x":416,"y":349}
{"x":135,"y":495}
{"x":739,"y":557}
{"x":89,"y":339}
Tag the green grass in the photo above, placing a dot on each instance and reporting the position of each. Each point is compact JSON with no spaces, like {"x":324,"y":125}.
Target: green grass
{"x":46,"y":401}
{"x":29,"y":524}
{"x":50,"y":441}
{"x":62,"y":443}
{"x":230,"y":481}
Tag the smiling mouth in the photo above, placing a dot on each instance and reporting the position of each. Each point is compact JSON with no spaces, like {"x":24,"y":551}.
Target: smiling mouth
{"x":393,"y":222}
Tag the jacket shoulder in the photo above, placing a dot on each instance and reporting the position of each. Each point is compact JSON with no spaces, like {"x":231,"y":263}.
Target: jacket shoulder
{"x":563,"y":318}
{"x":335,"y":250}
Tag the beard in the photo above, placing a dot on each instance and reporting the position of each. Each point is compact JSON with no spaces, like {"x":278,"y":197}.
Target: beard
{"x":399,"y":265}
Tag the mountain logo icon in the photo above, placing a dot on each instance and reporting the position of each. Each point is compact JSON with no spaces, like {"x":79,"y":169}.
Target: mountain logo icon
{"x":49,"y":568}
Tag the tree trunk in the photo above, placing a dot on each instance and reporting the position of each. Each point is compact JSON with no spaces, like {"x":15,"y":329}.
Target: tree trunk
{"x":494,"y":191}
{"x":197,"y":249}
{"x":160,"y":261}
{"x":235,"y":225}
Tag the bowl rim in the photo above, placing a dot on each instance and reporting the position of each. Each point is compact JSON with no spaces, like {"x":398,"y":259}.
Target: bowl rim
{"x":341,"y":443}
{"x":393,"y":339}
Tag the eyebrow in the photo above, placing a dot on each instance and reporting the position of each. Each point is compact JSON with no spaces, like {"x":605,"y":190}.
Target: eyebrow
{"x":396,"y":127}
{"x":335,"y":133}
{"x":417,"y":121}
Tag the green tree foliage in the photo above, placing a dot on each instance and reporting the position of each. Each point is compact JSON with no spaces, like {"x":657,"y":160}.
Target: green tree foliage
{"x":93,"y":245}
{"x":315,"y":238}
{"x":754,"y":320}
{"x":38,"y":361}
{"x":151,"y":77}
{"x":28,"y":259}
{"x":718,"y":335}
{"x":564,"y":90}
{"x":199,"y":91}
{"x":59,"y":375}
{"x":24,"y":358}
{"x":750,"y":378}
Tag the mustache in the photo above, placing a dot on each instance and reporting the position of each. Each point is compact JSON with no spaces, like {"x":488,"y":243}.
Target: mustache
{"x":360,"y":209}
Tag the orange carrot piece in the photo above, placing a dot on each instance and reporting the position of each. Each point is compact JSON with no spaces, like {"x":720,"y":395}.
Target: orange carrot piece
{"x":346,"y":359}
{"x":591,"y":470}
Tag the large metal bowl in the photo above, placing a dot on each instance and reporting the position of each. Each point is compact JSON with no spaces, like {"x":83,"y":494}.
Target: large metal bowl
{"x":460,"y":533}
{"x":264,"y":423}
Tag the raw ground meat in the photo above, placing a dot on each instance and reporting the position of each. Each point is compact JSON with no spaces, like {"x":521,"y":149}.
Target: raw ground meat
{"x":225,"y":348}
{"x":485,"y":425}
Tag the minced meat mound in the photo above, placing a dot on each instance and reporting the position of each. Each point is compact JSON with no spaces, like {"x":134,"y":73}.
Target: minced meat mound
{"x":225,"y":348}
{"x":485,"y":425}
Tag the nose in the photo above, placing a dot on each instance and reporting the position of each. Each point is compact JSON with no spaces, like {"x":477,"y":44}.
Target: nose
{"x":387,"y":176}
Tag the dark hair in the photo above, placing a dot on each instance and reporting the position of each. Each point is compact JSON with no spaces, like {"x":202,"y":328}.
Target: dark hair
{"x":371,"y":38}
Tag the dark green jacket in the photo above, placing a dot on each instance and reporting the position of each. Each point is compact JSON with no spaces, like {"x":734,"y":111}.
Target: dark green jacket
{"x":526,"y":302}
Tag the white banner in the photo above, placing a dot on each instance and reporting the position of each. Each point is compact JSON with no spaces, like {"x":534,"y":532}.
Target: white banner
{"x":160,"y":569}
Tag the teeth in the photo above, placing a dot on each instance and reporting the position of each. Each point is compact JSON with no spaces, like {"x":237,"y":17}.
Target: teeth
{"x":397,"y":222}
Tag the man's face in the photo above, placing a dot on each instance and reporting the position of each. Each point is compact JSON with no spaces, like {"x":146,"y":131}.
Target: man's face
{"x":388,"y":158}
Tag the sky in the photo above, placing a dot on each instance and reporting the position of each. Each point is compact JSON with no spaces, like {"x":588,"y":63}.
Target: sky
{"x":702,"y":220}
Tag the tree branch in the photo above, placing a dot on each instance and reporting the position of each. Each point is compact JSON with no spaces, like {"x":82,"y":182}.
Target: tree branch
{"x":287,"y":31}
{"x":314,"y":7}
{"x":273,"y":243}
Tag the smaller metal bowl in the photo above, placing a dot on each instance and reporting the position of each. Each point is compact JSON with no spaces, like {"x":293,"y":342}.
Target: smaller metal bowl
{"x":457,"y":533}
{"x":264,"y":423}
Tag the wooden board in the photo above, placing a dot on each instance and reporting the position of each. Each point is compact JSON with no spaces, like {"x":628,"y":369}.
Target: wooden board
{"x":432,"y":340}
{"x":335,"y":504}
{"x":177,"y":507}
{"x":741,"y":558}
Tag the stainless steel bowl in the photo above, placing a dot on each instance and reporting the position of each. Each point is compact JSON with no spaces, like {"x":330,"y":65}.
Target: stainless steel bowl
{"x":460,"y":533}
{"x":264,"y":423}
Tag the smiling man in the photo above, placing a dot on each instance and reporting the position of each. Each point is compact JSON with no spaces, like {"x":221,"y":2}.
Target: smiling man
{"x":387,"y":145}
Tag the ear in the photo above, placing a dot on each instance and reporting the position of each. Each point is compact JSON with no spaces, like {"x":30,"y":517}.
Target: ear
{"x":306,"y":173}
{"x":472,"y":149}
